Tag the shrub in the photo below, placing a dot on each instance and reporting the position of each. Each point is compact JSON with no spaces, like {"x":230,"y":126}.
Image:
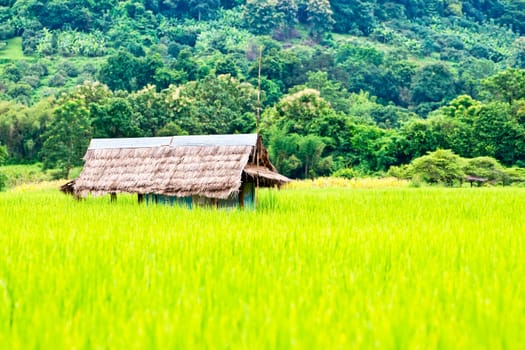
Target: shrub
{"x":441,"y":166}
{"x":136,"y":49}
{"x":89,"y":68}
{"x":346,"y":173}
{"x":7,"y":31}
{"x":184,"y":35}
{"x":68,"y":69}
{"x":57,"y":80}
{"x":400,"y":172}
{"x":31,"y":80}
{"x":514,"y":175}
{"x":171,"y":129}
{"x":15,"y":175}
{"x":445,"y":167}
{"x":3,"y":181}
{"x":3,"y":154}
{"x":174,"y":49}
{"x":486,"y":168}
{"x":20,"y":90}
{"x":357,"y":172}
{"x":38,"y":69}
{"x":12,"y":73}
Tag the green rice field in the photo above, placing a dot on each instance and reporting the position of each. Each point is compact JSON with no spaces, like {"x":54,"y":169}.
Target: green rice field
{"x":326,"y":268}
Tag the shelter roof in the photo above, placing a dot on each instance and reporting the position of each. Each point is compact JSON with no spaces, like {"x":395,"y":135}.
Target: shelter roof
{"x":174,"y":141}
{"x":210,"y":166}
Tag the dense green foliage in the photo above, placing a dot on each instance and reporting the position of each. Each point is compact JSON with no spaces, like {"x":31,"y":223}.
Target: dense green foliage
{"x":441,"y":166}
{"x":3,"y":177}
{"x":3,"y":154}
{"x":445,"y":167}
{"x":345,"y":84}
{"x":331,"y":268}
{"x":67,"y":136}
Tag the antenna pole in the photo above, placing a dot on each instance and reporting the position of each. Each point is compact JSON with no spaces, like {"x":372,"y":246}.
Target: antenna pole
{"x":258,"y":126}
{"x":258,"y":123}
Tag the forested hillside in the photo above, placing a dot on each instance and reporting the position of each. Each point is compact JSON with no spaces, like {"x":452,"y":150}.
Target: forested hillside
{"x":360,"y":84}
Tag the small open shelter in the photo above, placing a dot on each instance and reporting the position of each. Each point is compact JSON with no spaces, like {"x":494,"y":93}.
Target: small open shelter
{"x":215,"y":170}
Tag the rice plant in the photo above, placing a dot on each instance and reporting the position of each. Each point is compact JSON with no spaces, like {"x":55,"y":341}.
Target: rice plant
{"x":423,"y":268}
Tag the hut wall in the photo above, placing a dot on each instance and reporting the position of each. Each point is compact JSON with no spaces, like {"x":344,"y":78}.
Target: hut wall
{"x":248,"y":195}
{"x":169,"y":200}
{"x":244,"y":199}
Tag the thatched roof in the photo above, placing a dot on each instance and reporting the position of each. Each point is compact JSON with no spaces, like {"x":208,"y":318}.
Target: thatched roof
{"x":68,"y":187}
{"x":210,"y":166}
{"x":264,"y":176}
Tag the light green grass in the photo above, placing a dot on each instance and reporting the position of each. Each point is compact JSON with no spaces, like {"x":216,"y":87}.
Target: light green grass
{"x":310,"y":269}
{"x":13,"y":50}
{"x":21,"y":174}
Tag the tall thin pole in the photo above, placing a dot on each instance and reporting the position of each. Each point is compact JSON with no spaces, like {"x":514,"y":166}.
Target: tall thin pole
{"x":258,"y":126}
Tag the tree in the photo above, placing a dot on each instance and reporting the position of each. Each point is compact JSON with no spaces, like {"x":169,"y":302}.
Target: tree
{"x":398,"y":77}
{"x":124,"y":71}
{"x":283,"y":148}
{"x":298,"y":156}
{"x":152,"y":109}
{"x":186,"y":66}
{"x":353,"y":15}
{"x":441,"y":166}
{"x":113,"y":119}
{"x":301,"y":112}
{"x":452,"y":125}
{"x":507,"y":86}
{"x":416,"y":139}
{"x":215,"y":105}
{"x":201,"y":8}
{"x":433,"y":83}
{"x":56,"y":14}
{"x":371,"y":148}
{"x":332,"y":91}
{"x":120,"y":72}
{"x":288,"y":11}
{"x":226,"y":65}
{"x":518,"y":58}
{"x":497,"y":134}
{"x":171,"y":129}
{"x":319,"y":17}
{"x":67,"y":137}
{"x":310,"y":152}
{"x":21,"y":128}
{"x":261,"y":16}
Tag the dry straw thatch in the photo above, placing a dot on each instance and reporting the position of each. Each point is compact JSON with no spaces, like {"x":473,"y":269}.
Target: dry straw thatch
{"x":213,"y":171}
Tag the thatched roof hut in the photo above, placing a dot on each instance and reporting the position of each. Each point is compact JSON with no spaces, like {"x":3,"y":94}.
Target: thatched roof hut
{"x":214,"y":166}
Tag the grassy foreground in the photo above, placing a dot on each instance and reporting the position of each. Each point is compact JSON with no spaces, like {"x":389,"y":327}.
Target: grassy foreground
{"x":319,"y":268}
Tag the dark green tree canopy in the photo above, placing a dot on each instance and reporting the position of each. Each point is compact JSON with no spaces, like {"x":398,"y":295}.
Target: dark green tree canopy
{"x":358,"y":84}
{"x":67,"y":137}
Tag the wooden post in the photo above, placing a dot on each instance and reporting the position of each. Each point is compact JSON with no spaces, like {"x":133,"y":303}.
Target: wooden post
{"x":241,"y":197}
